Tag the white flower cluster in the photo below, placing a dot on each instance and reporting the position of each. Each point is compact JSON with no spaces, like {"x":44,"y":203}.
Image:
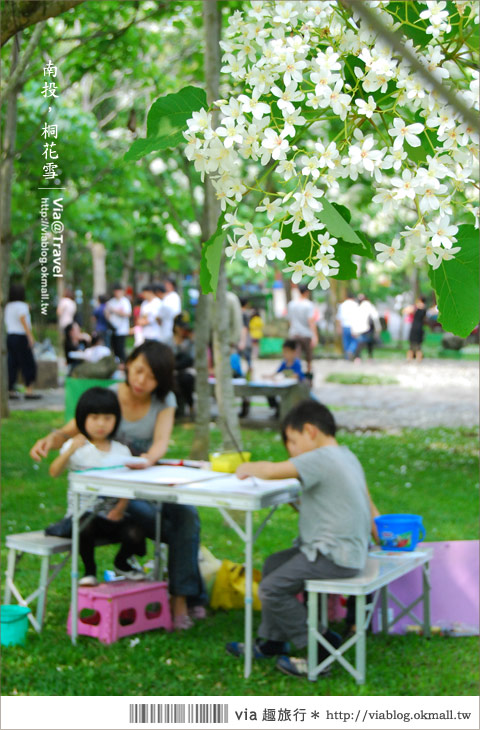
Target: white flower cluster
{"x":324,"y":100}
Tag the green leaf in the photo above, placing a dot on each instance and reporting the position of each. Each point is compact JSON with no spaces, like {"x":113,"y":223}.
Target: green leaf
{"x":211,"y":256}
{"x":456,"y":283}
{"x":167,"y":120}
{"x":336,"y":224}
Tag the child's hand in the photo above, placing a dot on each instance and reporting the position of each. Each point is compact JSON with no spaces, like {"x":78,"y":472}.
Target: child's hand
{"x":245,"y":470}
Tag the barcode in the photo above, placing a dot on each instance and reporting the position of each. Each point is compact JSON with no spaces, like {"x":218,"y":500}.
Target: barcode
{"x":176,"y":713}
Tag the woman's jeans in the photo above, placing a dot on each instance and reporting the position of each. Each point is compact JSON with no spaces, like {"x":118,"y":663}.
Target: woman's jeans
{"x":180,"y":529}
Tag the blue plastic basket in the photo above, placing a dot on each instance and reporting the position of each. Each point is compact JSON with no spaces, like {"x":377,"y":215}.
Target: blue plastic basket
{"x":400,"y":532}
{"x":14,"y":625}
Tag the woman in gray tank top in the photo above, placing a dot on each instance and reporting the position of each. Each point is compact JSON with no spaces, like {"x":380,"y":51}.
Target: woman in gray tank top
{"x":147,"y":405}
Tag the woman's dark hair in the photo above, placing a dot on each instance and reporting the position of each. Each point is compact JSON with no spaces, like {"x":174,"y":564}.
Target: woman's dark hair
{"x":17,"y":293}
{"x":97,"y":400}
{"x":161,"y":362}
{"x":309,"y":411}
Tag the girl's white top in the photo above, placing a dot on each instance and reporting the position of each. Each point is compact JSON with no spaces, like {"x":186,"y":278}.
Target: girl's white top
{"x":13,"y":312}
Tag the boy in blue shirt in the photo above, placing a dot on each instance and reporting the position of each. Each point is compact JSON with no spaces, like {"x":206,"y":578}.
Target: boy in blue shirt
{"x":335,"y":517}
{"x":291,"y":367}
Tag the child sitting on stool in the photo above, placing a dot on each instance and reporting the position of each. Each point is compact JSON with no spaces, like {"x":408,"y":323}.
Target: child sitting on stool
{"x":97,"y":416}
{"x":334,"y":529}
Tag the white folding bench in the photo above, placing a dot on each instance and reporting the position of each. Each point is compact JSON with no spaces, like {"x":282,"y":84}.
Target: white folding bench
{"x":382,"y":568}
{"x":34,"y":543}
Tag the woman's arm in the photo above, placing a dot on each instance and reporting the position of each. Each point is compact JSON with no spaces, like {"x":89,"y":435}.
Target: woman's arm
{"x":161,"y":435}
{"x":54,"y":440}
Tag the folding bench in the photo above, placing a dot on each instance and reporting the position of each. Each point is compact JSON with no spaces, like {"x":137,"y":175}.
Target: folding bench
{"x":35,"y":543}
{"x":382,"y":568}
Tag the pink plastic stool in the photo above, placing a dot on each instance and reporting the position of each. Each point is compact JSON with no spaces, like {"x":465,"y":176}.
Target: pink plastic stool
{"x":115,"y":610}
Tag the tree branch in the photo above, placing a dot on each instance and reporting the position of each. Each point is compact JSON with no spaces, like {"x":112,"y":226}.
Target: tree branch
{"x":20,"y":14}
{"x":395,"y":41}
{"x":16,"y":77}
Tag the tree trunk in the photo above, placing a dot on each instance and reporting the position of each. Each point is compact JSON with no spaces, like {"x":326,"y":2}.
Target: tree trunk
{"x":98,"y":268}
{"x":228,"y":419}
{"x":6,"y":175}
{"x":201,"y":439}
{"x":127,"y":273}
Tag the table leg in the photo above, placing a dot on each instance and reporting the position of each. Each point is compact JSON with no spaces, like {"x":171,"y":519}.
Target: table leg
{"x":324,"y":611}
{"x":248,"y":592}
{"x":360,"y":649}
{"x":157,"y":566}
{"x":42,"y":597}
{"x":74,"y":572}
{"x":12,"y":561}
{"x":384,"y":598}
{"x":312,"y":633}
{"x":426,"y":599}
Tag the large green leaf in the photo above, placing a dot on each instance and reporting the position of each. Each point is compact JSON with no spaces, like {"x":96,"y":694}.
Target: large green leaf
{"x":211,"y":256}
{"x":336,"y":224}
{"x":300,"y":250}
{"x":456,"y":284}
{"x":167,"y":120}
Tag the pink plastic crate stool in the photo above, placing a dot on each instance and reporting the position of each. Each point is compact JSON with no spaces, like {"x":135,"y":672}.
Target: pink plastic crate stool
{"x":111,"y":611}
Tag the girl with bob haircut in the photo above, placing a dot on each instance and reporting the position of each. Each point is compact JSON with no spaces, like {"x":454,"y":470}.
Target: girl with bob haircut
{"x":97,"y":418}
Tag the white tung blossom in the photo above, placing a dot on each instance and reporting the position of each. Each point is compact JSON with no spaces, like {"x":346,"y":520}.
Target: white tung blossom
{"x":298,"y":101}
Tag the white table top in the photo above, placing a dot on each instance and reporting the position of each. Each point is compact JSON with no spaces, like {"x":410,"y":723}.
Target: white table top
{"x":186,"y":485}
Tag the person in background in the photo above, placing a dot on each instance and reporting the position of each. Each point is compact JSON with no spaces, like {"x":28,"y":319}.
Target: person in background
{"x":255,"y":327}
{"x":303,"y":329}
{"x":117,"y":311}
{"x":184,"y":351}
{"x":66,"y":309}
{"x":366,"y":326}
{"x":165,"y":315}
{"x":20,"y":343}
{"x":291,"y":366}
{"x":417,"y":332}
{"x":172,"y":298}
{"x":100,"y":323}
{"x":75,"y":340}
{"x":149,"y":314}
{"x":346,"y":315}
{"x":245,"y":343}
{"x":97,"y":349}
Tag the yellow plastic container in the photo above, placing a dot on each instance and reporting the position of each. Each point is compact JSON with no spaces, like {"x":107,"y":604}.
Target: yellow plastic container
{"x":228,"y":460}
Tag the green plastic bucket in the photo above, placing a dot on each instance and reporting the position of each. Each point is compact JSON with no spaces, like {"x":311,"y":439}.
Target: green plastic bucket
{"x":14,"y":625}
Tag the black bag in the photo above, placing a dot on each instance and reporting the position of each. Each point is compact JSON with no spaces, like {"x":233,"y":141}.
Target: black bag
{"x":62,"y":528}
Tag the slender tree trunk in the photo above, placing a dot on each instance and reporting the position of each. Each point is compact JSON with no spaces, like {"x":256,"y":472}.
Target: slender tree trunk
{"x":98,"y":268}
{"x":223,"y":373}
{"x":201,"y":439}
{"x":6,"y":175}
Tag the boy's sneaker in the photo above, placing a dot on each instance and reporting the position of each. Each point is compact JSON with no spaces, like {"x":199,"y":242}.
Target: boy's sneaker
{"x":293,"y":666}
{"x":88,"y":580}
{"x":261,"y":649}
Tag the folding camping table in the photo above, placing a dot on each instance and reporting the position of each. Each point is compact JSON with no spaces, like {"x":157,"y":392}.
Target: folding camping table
{"x":184,"y":485}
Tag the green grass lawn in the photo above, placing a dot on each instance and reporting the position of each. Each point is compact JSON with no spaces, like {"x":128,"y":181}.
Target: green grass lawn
{"x":432,"y":473}
{"x":359,"y":379}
